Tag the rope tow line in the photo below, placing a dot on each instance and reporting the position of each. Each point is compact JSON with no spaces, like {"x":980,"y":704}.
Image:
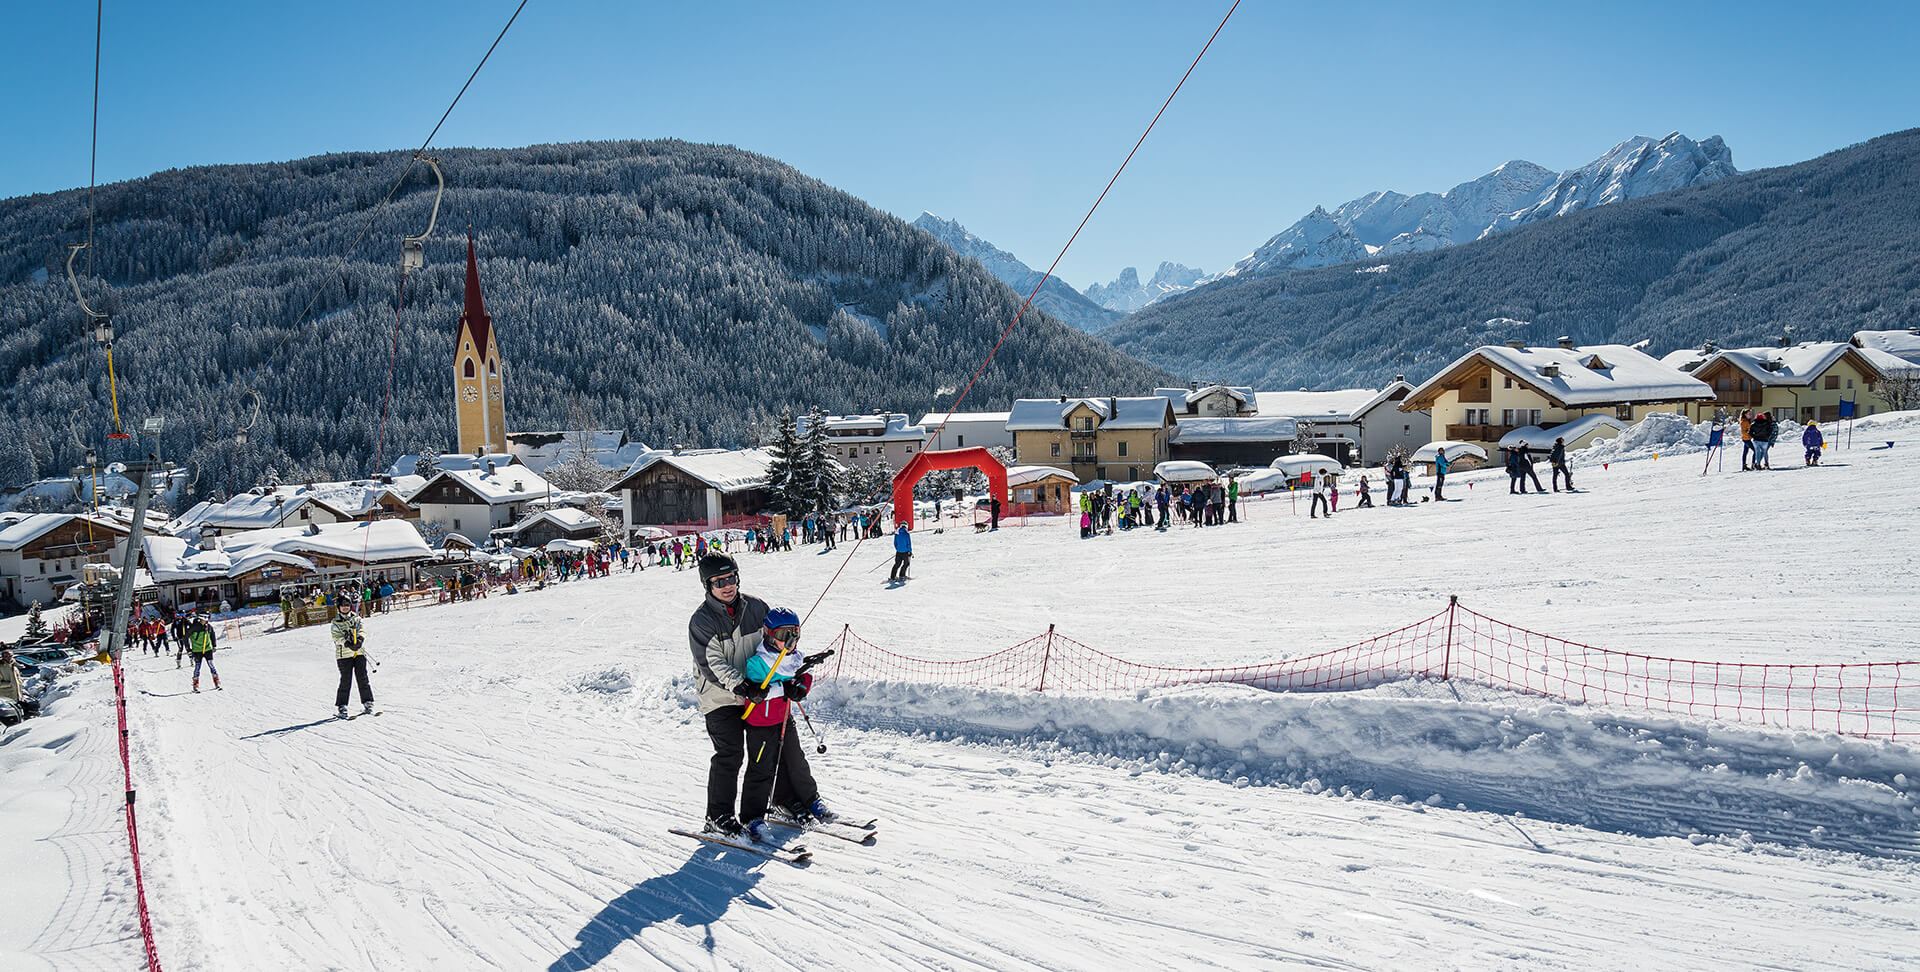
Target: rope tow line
{"x":1044,"y":278}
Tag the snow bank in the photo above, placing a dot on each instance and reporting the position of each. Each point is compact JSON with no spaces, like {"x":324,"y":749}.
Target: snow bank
{"x":1451,"y":744}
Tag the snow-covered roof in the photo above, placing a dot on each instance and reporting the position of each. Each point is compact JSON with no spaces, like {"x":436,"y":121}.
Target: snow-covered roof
{"x":1022,"y":475}
{"x":1688,"y":360}
{"x":264,"y":507}
{"x":504,"y":484}
{"x":1601,"y":374}
{"x":20,"y":529}
{"x":1184,"y":471}
{"x":1534,"y":435}
{"x":1900,"y":344}
{"x":867,"y":428}
{"x":932,"y":419}
{"x":727,"y":471}
{"x":1890,"y":364}
{"x":541,"y":451}
{"x":564,"y":517}
{"x":405,"y":465}
{"x":382,"y":541}
{"x":1319,"y":406}
{"x":1036,"y":414}
{"x":1181,"y":397}
{"x":1795,"y":366}
{"x":1258,"y":428}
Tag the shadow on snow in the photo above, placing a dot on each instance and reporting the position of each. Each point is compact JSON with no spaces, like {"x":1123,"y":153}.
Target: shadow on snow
{"x":696,"y":895}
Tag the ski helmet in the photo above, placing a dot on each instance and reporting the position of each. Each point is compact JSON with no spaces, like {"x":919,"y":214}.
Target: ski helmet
{"x":781,"y":617}
{"x":716,"y":565}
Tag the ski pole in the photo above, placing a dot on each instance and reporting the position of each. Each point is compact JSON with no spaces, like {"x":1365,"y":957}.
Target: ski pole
{"x":820,"y":741}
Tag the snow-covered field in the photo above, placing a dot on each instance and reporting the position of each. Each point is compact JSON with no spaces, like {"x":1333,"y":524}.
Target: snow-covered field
{"x":509,"y":808}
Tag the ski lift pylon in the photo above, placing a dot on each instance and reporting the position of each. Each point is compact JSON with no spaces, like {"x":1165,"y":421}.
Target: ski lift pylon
{"x":413,"y":253}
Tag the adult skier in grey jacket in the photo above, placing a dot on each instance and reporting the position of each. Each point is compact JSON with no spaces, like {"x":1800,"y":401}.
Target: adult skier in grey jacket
{"x":724,"y":632}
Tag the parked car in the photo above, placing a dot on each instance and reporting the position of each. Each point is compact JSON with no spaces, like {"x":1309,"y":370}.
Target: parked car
{"x":11,"y":713}
{"x":32,"y":660}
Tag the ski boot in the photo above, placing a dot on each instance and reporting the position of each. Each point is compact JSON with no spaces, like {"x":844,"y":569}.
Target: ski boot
{"x":756,"y":830}
{"x":724,"y":825}
{"x":216,"y":683}
{"x":820,"y":814}
{"x":196,"y":686}
{"x":367,"y":709}
{"x":341,"y":713}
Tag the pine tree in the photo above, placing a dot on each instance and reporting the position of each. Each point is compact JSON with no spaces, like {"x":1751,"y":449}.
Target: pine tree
{"x":784,"y":472}
{"x":428,"y":465}
{"x":869,"y":482}
{"x":36,"y":625}
{"x":821,"y":475}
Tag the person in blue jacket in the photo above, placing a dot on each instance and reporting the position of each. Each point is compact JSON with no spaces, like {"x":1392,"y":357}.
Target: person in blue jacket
{"x":1440,"y":467}
{"x":902,"y":553}
{"x":1813,"y":441}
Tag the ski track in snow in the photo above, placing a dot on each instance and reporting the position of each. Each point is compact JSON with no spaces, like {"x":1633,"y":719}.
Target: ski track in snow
{"x":509,"y":809}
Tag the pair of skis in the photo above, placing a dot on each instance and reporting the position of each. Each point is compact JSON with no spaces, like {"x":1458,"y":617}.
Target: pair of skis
{"x":862,"y":832}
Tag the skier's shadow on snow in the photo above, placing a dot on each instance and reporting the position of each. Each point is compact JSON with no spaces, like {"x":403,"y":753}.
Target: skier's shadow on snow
{"x":696,"y":895}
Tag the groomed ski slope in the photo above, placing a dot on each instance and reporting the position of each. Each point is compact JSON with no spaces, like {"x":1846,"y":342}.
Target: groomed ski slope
{"x":509,"y":808}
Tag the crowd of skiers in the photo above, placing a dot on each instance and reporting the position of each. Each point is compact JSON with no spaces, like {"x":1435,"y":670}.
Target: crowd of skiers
{"x":1140,"y":505}
{"x":1758,"y":432}
{"x":1520,"y":467}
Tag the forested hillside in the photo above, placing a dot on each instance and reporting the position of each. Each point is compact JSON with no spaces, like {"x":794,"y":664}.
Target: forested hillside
{"x":683,"y":292}
{"x":1823,"y":248}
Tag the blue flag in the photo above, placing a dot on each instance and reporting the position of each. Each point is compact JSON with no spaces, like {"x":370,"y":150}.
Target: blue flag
{"x":1846,"y":409}
{"x":1714,"y":438}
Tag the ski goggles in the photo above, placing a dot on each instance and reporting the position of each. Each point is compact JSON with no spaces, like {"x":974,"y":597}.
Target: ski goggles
{"x":725,"y":580}
{"x":784,"y":636}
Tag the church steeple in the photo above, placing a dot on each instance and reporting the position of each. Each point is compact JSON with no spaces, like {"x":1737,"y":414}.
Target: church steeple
{"x":479,"y":401}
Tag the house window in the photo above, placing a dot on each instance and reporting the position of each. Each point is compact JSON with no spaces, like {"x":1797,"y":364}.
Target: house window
{"x":456,"y":523}
{"x":304,"y":514}
{"x":1083,"y":450}
{"x":1479,"y":416}
{"x":1833,"y":381}
{"x":960,"y":440}
{"x":1084,"y":423}
{"x":1624,"y":413}
{"x":1123,"y":448}
{"x":1483,"y":381}
{"x":468,"y":370}
{"x":493,"y":368}
{"x":1507,"y":381}
{"x":1406,"y":430}
{"x":866,"y":450}
{"x":909,"y":448}
{"x":1849,"y":382}
{"x":1055,"y":449}
{"x":1099,"y":472}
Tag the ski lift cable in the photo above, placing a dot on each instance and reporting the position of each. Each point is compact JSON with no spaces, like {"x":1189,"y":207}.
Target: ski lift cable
{"x":101,"y":324}
{"x":340,"y":266}
{"x":1083,"y":222}
{"x":1045,"y":277}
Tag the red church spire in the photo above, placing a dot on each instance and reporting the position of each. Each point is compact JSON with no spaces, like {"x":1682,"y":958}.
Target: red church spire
{"x":474,"y":317}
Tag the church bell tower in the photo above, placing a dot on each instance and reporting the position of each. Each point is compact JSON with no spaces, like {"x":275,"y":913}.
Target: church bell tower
{"x":480,"y":406}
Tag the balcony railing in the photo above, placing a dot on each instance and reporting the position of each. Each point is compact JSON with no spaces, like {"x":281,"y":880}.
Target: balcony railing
{"x":1478,"y":433}
{"x":1083,"y":433}
{"x":1738,"y":398}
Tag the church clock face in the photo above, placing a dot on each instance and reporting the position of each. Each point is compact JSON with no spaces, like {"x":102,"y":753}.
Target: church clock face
{"x":493,"y":391}
{"x":470,"y":394}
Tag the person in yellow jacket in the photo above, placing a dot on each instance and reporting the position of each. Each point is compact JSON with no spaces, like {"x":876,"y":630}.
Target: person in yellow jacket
{"x":349,"y":651}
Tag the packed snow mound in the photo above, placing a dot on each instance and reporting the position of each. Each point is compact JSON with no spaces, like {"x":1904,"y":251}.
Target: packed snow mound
{"x":1457,"y":745}
{"x":1661,"y":432}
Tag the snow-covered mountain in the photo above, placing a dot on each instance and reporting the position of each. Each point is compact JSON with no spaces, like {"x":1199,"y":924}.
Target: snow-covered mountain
{"x":1057,"y":297}
{"x":1127,"y":294}
{"x":1517,"y":193}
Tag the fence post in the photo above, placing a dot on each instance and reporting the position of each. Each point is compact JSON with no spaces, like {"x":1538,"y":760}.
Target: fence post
{"x":1446,"y":659}
{"x":1044,"y":659}
{"x":840,"y":657}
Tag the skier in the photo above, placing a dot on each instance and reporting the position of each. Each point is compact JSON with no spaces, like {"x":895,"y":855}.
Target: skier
{"x":350,"y":654}
{"x":1440,"y":467}
{"x":1321,"y":483}
{"x":200,"y":644}
{"x":179,"y":631}
{"x":1557,"y":457}
{"x":1233,"y":500}
{"x":724,"y":632}
{"x":776,"y":764}
{"x":1812,"y":440}
{"x":1746,"y":437}
{"x":1366,"y":497}
{"x":902,"y":553}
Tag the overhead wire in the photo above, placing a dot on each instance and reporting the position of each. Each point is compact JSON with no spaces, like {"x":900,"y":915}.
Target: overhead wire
{"x":1018,"y":315}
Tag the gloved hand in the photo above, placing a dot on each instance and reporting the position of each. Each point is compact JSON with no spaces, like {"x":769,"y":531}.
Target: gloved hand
{"x":750,"y":691}
{"x":796,"y":691}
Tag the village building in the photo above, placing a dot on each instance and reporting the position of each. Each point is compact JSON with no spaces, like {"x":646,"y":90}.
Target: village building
{"x":695,"y":490}
{"x":250,"y":568}
{"x":480,"y":408}
{"x":859,"y":440}
{"x":1493,"y":390}
{"x":1253,"y":440}
{"x":1355,"y":426}
{"x":43,"y":554}
{"x":475,"y":502}
{"x":546,"y":526}
{"x":1095,"y":438}
{"x":967,"y":430}
{"x":1040,"y":489}
{"x":1904,"y":345}
{"x":1210,"y":401}
{"x":1804,"y":382}
{"x":541,"y":451}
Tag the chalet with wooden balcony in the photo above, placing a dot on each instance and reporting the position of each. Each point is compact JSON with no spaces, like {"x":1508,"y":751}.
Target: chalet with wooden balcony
{"x":42,"y":554}
{"x":1492,"y":390}
{"x":1094,"y":438}
{"x":1804,"y":382}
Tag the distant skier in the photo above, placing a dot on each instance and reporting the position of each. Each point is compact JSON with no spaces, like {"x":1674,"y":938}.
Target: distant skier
{"x":1763,"y":430}
{"x":902,"y":553}
{"x":179,"y":631}
{"x":200,"y":644}
{"x":1557,"y":457}
{"x":350,"y":655}
{"x":1322,"y":482}
{"x":1812,"y":441}
{"x":1440,"y":467}
{"x":1746,"y":438}
{"x":725,"y":632}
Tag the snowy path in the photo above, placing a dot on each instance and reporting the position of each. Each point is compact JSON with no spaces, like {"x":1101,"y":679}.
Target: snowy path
{"x":509,"y":808}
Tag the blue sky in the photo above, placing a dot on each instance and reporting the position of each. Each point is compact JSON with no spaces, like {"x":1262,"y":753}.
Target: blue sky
{"x":1006,"y":116}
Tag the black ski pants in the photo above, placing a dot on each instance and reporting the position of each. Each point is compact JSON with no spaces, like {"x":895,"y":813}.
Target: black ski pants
{"x":776,"y":766}
{"x":1318,"y":506}
{"x":1560,"y":470}
{"x":900,"y":562}
{"x":351,"y":670}
{"x":1439,"y":484}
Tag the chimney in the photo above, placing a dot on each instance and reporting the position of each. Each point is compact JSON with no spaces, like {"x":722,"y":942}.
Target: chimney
{"x":1708,"y":347}
{"x":1063,"y":399}
{"x":1399,"y":377}
{"x":1517,"y":345}
{"x":1566,"y":343}
{"x":1785,"y":341}
{"x":1551,"y":371}
{"x":1113,"y":406}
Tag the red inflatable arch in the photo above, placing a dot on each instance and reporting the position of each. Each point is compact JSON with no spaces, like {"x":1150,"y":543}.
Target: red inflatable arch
{"x":926,"y":462}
